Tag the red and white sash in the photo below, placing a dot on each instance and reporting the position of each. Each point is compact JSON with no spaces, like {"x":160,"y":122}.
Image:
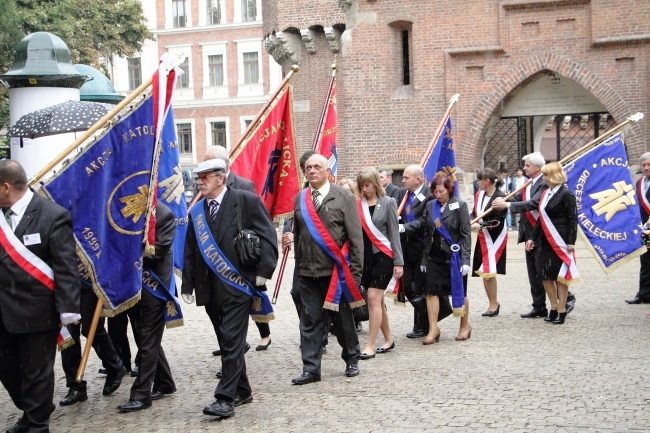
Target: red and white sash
{"x":379,"y":240}
{"x":34,"y":266}
{"x":491,"y":251}
{"x":532,"y":215}
{"x":643,"y":200}
{"x":568,"y":272}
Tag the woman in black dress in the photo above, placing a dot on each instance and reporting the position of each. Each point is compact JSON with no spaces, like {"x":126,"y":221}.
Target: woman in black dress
{"x":490,"y":251}
{"x":555,"y":234}
{"x":382,"y":260}
{"x":448,"y":239}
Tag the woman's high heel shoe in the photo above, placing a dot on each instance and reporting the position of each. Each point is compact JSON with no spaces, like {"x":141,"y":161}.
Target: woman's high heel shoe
{"x":560,"y":318}
{"x":436,"y":339}
{"x":492,"y":313}
{"x":552,"y":316}
{"x":463,"y":338}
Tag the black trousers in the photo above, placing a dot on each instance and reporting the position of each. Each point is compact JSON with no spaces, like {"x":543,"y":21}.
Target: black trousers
{"x":71,"y":357}
{"x":313,"y":319}
{"x":229,"y":316}
{"x":644,"y":277}
{"x":536,"y":286}
{"x":414,"y":282}
{"x":27,"y":373}
{"x":118,"y":327}
{"x":147,"y":315}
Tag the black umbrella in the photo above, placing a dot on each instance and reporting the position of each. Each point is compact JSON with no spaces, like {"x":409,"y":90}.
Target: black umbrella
{"x":64,"y":117}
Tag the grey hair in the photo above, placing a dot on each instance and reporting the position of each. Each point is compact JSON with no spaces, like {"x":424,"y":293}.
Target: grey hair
{"x":535,"y":158}
{"x":220,"y":152}
{"x":644,"y":157}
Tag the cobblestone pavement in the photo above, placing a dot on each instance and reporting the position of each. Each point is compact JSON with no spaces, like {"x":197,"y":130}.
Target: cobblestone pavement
{"x":514,"y":374}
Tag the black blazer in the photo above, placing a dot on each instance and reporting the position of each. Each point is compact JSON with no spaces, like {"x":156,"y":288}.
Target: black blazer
{"x":196,"y":274}
{"x":238,"y":182}
{"x":414,"y":231}
{"x":27,"y":305}
{"x":457,"y":222}
{"x":562,"y":211}
{"x":517,"y":206}
{"x":495,"y":215}
{"x":644,"y":215}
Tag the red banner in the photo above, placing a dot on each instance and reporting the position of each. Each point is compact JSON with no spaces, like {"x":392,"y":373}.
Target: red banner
{"x":268,"y":158}
{"x":327,"y":135}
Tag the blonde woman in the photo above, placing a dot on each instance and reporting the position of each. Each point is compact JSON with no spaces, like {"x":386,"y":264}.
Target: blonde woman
{"x":383,"y":262}
{"x":555,"y":235}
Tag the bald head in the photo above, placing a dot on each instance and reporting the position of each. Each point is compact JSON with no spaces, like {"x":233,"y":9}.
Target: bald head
{"x":413,"y":177}
{"x":220,"y":152}
{"x":13,"y":182}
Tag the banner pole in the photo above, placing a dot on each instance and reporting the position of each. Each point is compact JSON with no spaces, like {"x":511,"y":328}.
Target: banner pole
{"x":634,"y":118}
{"x":97,"y":126}
{"x":253,"y":124}
{"x":89,"y":341}
{"x":328,"y":95}
{"x":433,"y":142}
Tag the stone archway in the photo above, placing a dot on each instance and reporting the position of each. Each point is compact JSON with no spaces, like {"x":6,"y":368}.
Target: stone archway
{"x":521,"y":74}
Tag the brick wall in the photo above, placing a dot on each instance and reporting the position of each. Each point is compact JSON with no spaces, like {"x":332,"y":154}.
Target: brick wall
{"x":483,"y":50}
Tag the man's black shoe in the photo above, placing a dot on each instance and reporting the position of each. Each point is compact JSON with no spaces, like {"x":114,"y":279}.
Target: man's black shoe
{"x":216,"y":352}
{"x":305,"y":378}
{"x":133,"y":406}
{"x":637,"y":300}
{"x":239,"y":400}
{"x":19,"y":427}
{"x":113,"y":381}
{"x":74,"y":396}
{"x":418,"y":333}
{"x":535,"y":312}
{"x":220,"y":408}
{"x":219,"y":373}
{"x":159,"y":395}
{"x":135,"y":371}
{"x":352,"y":370}
{"x":102,"y":371}
{"x":570,"y":302}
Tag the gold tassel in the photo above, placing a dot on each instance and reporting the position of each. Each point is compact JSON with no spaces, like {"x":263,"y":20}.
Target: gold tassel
{"x":263,"y":319}
{"x":332,"y":307}
{"x":355,"y":304}
{"x":65,"y":344}
{"x":569,"y":282}
{"x":459,"y":312}
{"x":174,"y":324}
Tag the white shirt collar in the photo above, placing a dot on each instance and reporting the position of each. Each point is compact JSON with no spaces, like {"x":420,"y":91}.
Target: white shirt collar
{"x":324,"y":190}
{"x":537,"y":178}
{"x":418,"y":191}
{"x":219,"y":198}
{"x":20,"y":207}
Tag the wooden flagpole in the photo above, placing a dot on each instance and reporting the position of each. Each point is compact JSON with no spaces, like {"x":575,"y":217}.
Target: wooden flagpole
{"x":634,"y":118}
{"x":321,"y":122}
{"x":433,"y":142}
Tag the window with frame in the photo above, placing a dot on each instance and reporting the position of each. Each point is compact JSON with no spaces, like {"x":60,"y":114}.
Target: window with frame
{"x":183,"y":81}
{"x":218,"y":134}
{"x":213,"y":12}
{"x":215,"y":70}
{"x":251,"y":68}
{"x":135,"y":72}
{"x":184,"y":134}
{"x":248,"y":10}
{"x":178,"y":13}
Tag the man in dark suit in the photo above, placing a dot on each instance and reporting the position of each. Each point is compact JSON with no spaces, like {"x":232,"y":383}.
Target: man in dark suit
{"x":227,"y":306}
{"x":149,"y":321}
{"x":37,"y":231}
{"x":336,"y":209}
{"x":643,"y":191}
{"x":385,"y":177}
{"x":412,"y":240}
{"x":237,"y":182}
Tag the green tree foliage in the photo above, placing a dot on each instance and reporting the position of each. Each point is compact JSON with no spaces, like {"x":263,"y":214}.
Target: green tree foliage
{"x":92,"y":29}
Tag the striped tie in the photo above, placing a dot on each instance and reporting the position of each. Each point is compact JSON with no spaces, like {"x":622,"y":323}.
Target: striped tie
{"x":214,"y":207}
{"x":8,"y":213}
{"x":314,"y":196}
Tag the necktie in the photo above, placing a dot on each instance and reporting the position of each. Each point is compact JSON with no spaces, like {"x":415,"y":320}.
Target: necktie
{"x":8,"y":213}
{"x":315,"y":198}
{"x":646,"y":183}
{"x":214,"y":207}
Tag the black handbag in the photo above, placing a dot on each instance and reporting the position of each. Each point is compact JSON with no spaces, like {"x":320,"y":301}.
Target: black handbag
{"x":361,"y":314}
{"x":247,"y":243}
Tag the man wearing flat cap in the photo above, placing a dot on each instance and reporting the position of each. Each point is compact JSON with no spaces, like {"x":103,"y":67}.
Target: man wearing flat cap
{"x":221,"y":282}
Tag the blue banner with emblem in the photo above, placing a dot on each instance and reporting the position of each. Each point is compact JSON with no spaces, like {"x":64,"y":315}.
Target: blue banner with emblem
{"x":608,"y":208}
{"x":442,"y":158}
{"x":107,"y":188}
{"x":171,"y":189}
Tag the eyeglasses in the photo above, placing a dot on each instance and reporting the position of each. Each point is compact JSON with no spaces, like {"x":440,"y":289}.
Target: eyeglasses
{"x":204,"y":177}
